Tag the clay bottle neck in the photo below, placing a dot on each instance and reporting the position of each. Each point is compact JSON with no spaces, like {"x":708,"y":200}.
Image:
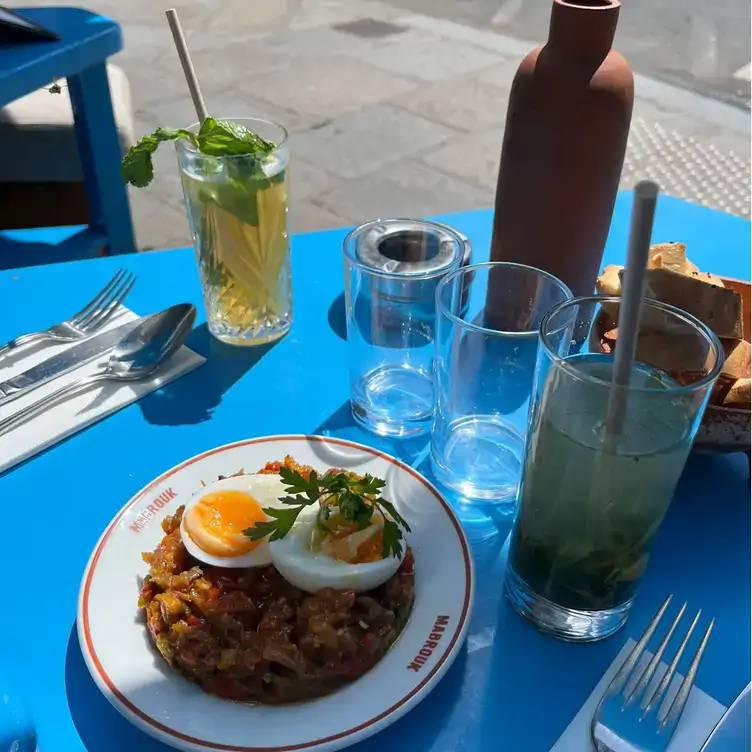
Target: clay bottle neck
{"x":583,"y":28}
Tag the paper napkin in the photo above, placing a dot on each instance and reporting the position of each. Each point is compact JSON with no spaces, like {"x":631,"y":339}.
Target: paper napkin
{"x":71,"y":415}
{"x":700,"y":716}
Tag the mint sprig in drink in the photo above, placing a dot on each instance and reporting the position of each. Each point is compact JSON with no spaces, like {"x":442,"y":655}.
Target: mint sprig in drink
{"x":235,"y":184}
{"x":234,"y":178}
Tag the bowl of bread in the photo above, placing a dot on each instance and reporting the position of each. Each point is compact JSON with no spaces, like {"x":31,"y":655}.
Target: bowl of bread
{"x":723,"y":305}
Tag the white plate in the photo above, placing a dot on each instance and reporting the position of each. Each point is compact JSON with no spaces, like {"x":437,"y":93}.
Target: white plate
{"x":136,"y":680}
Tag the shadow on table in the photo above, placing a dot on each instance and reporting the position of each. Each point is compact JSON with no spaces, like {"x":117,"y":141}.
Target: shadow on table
{"x":338,"y":317}
{"x":341,"y":424}
{"x":192,"y":398}
{"x":100,"y":726}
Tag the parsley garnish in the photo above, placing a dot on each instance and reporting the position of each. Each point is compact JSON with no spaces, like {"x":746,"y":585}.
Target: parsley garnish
{"x":357,"y":499}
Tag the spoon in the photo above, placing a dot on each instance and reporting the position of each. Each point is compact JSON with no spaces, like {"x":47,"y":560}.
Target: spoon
{"x":136,"y":357}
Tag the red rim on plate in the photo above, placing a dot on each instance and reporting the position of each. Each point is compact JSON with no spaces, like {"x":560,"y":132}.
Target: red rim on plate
{"x":104,"y":680}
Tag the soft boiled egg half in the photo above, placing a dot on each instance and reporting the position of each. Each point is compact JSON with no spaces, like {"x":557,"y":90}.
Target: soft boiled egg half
{"x":214,"y":520}
{"x":342,"y":557}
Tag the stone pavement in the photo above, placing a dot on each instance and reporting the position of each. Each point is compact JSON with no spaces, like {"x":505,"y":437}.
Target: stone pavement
{"x":391,"y":113}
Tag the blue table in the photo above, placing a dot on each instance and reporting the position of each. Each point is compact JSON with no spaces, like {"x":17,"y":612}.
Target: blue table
{"x":86,"y":41}
{"x":510,"y":688}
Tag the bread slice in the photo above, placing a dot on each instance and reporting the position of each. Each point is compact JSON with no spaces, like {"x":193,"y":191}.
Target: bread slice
{"x":666,"y":352}
{"x":671,"y":256}
{"x":609,"y":283}
{"x":720,"y":309}
{"x":738,"y":359}
{"x":712,"y":279}
{"x":740,"y":394}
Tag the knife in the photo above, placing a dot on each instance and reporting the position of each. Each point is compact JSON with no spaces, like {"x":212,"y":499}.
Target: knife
{"x":78,"y":355}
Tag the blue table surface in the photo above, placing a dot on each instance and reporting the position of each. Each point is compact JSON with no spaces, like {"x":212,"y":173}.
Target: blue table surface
{"x":85,"y":39}
{"x":510,"y":687}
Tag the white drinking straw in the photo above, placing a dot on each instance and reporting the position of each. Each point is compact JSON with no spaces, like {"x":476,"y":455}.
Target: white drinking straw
{"x":185,"y":61}
{"x":640,"y":231}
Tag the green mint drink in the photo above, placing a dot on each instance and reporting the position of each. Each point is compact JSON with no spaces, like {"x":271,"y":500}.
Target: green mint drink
{"x":590,"y":508}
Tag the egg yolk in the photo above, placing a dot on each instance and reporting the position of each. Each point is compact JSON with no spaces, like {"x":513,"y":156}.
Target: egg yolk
{"x":346,"y":542}
{"x":217,"y":521}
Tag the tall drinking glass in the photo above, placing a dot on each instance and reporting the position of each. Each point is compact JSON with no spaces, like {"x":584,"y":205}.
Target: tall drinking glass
{"x":392,"y":268}
{"x":487,"y":323}
{"x":592,"y":497}
{"x":237,"y":210}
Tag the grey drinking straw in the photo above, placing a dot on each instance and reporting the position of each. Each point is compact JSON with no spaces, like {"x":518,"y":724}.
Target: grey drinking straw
{"x":185,"y":61}
{"x":640,"y":232}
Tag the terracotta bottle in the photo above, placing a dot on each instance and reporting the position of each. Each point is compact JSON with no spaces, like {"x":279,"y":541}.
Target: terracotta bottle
{"x":567,"y":125}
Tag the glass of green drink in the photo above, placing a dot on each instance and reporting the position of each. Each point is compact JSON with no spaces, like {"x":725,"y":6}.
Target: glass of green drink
{"x":591,"y":500}
{"x":237,"y":210}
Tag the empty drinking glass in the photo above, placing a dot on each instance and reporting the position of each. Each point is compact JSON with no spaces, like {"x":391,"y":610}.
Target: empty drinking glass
{"x":486,"y":342}
{"x":392,"y":268}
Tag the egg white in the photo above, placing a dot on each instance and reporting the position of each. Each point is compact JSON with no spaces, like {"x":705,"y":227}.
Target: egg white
{"x":266,"y":489}
{"x":311,"y":571}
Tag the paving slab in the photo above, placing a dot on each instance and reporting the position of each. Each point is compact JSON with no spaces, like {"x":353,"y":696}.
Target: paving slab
{"x":405,"y":189}
{"x":307,"y":217}
{"x":364,"y":142}
{"x":328,"y":88}
{"x":474,"y":157}
{"x":316,"y":13}
{"x":307,"y":181}
{"x":465,"y":103}
{"x":425,"y":56}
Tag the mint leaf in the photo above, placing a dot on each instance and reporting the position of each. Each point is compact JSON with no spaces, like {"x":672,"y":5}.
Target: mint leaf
{"x":137,"y":168}
{"x":222,"y":138}
{"x":219,"y":138}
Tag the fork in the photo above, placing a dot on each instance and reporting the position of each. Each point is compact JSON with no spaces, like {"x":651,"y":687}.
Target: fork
{"x":631,"y":721}
{"x":89,"y":320}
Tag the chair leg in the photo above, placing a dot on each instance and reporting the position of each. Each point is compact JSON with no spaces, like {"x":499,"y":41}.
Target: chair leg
{"x":99,"y":151}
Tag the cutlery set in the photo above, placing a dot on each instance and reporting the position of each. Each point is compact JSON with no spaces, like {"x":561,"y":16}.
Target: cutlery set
{"x":137,"y":349}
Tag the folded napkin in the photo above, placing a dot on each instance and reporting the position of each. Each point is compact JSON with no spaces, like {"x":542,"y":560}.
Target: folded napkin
{"x":700,"y":716}
{"x":71,"y":415}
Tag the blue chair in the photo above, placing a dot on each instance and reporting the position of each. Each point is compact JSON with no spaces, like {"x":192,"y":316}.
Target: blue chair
{"x":86,"y":41}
